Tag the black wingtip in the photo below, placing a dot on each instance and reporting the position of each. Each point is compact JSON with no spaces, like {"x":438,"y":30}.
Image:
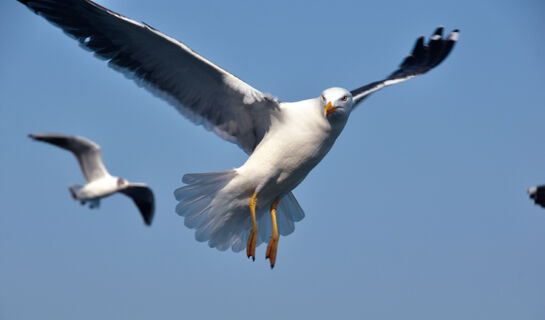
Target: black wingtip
{"x":35,"y":136}
{"x":147,"y":216}
{"x":422,"y":59}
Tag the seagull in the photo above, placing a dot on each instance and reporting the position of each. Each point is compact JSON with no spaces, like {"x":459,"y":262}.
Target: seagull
{"x":537,"y":194}
{"x":254,"y":203}
{"x":100,"y":183}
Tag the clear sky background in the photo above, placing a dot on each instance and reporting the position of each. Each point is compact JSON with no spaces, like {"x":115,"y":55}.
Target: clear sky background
{"x":418,"y":212}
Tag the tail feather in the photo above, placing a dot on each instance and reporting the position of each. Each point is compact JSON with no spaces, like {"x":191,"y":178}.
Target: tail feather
{"x":287,"y":214}
{"x":199,"y":218}
{"x":207,"y":178}
{"x":195,"y":209}
{"x":205,"y":225}
{"x":230,"y":232}
{"x":74,"y":190}
{"x":222,"y":218}
{"x":94,"y":203}
{"x":291,"y":207}
{"x":292,"y":211}
{"x":197,"y":201}
{"x":264,"y":227}
{"x":191,"y":192}
{"x":285,"y":224}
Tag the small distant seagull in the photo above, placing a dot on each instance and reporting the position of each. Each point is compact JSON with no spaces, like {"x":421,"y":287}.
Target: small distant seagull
{"x":538,"y":194}
{"x":100,"y":183}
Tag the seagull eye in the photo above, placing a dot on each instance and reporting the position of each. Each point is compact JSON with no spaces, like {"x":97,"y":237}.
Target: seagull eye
{"x":323,"y":98}
{"x":345,"y":98}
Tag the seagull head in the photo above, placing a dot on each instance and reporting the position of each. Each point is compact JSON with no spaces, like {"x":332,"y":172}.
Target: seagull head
{"x":336,"y":102}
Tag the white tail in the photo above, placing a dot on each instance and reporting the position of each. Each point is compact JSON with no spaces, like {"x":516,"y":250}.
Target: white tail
{"x":223,"y":219}
{"x":74,"y":190}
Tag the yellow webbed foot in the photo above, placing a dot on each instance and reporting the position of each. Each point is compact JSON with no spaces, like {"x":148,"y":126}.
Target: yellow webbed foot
{"x":273,"y":243}
{"x":271,"y":250}
{"x":252,"y":239}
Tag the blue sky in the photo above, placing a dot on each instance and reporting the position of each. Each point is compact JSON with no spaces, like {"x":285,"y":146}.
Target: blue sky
{"x":418,"y":212}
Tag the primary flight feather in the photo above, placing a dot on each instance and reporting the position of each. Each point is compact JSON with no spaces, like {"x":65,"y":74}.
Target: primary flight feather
{"x":285,"y":140}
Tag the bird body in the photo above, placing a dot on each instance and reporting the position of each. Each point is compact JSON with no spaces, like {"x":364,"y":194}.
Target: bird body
{"x":299,"y":137}
{"x":100,"y":188}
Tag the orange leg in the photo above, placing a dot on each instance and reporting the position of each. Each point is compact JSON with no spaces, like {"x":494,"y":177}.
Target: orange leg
{"x":273,"y":243}
{"x":252,"y":239}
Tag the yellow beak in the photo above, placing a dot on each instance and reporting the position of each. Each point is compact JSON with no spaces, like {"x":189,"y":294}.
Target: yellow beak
{"x":329,"y":109}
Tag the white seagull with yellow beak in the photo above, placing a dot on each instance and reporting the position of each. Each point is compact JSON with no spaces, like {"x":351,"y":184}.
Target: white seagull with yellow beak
{"x":285,"y":140}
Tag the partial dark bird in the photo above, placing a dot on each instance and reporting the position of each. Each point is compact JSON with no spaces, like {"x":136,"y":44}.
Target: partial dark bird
{"x":285,"y":140}
{"x":537,"y":194}
{"x":100,"y":183}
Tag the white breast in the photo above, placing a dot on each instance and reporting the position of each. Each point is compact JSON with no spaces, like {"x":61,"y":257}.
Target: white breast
{"x":295,"y":143}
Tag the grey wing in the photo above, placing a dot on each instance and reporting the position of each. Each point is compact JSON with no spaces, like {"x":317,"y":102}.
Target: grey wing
{"x":143,"y":198}
{"x":86,"y":151}
{"x":422,"y":59}
{"x":200,"y":90}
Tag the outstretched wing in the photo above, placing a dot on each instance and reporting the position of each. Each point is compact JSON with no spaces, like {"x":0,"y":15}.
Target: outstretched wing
{"x":422,"y":59}
{"x":143,"y":197}
{"x":86,"y":151}
{"x":200,"y":90}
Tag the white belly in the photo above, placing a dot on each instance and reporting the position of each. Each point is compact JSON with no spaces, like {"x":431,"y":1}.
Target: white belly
{"x":98,"y":189}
